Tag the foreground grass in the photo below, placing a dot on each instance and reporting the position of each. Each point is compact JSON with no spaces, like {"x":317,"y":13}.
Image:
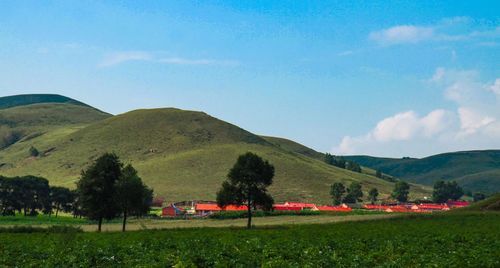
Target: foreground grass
{"x":448,"y":240}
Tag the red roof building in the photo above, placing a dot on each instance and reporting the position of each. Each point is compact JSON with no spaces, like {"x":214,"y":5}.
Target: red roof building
{"x":300,"y":205}
{"x":206,"y":208}
{"x":376,"y":207}
{"x":457,"y":204}
{"x":334,"y":208}
{"x":283,"y":207}
{"x":432,"y":207}
{"x":171,"y":211}
{"x":398,"y":209}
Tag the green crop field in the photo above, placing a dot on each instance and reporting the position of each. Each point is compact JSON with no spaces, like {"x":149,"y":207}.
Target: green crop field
{"x":445,"y":240}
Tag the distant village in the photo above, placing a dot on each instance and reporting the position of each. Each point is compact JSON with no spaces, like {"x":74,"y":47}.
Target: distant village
{"x":206,"y":208}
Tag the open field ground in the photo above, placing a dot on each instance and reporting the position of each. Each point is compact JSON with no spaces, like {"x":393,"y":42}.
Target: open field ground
{"x":145,"y":224}
{"x":444,"y":240}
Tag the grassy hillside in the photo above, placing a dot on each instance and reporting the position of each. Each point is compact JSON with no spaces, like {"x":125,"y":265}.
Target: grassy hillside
{"x":475,"y":170}
{"x":490,"y":204}
{"x":295,"y":147}
{"x":21,"y":100}
{"x":182,"y":154}
{"x":22,"y":123}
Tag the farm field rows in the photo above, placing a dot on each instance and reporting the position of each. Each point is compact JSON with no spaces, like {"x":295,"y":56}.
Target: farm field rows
{"x":444,"y":240}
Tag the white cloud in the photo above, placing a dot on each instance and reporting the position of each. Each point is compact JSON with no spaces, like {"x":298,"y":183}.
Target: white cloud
{"x":402,"y":126}
{"x":345,"y":53}
{"x":401,"y":34}
{"x":128,"y":56}
{"x":183,"y":61}
{"x":446,"y":30}
{"x":472,"y":121}
{"x":495,"y":88}
{"x":474,"y":124}
{"x":438,"y":75}
{"x":436,"y":122}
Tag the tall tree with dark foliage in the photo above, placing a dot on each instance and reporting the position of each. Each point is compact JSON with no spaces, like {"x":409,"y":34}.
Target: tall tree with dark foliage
{"x":132,"y":195}
{"x":401,"y":191}
{"x":247,"y":184}
{"x":97,"y":188}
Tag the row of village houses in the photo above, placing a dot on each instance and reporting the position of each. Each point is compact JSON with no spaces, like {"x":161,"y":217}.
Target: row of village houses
{"x":205,"y":208}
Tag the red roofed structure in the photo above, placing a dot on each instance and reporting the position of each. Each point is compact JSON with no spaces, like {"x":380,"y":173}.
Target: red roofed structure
{"x":376,"y":207}
{"x":283,"y":207}
{"x":431,"y":207}
{"x":398,"y":209}
{"x":334,"y":208}
{"x":457,"y":204}
{"x":208,"y":208}
{"x":171,"y":211}
{"x":300,"y":205}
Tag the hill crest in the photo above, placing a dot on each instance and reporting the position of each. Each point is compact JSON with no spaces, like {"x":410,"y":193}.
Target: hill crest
{"x":28,"y":99}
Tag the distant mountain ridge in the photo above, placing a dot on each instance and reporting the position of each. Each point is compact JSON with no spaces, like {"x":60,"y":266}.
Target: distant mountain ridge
{"x":182,"y":154}
{"x":477,"y":170}
{"x":27,"y":99}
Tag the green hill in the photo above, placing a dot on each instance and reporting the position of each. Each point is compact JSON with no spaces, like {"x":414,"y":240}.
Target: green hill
{"x":25,"y":120}
{"x":21,"y":100}
{"x":183,"y":155}
{"x":294,"y":147}
{"x":474,"y":170}
{"x":491,"y":203}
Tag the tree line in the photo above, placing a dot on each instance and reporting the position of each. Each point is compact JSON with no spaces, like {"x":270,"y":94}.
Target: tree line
{"x":106,"y":190}
{"x":340,"y":162}
{"x":442,"y":192}
{"x":30,"y":195}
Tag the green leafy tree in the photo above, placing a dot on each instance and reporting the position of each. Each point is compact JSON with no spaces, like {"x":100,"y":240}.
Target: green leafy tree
{"x":401,"y":191}
{"x":373,"y":195}
{"x":444,"y":191}
{"x":353,"y":166}
{"x":335,"y":160}
{"x":337,"y":190}
{"x":247,"y":184}
{"x":354,"y":193}
{"x":62,"y":199}
{"x":132,"y":194}
{"x":456,"y":192}
{"x":34,"y":194}
{"x":97,"y":188}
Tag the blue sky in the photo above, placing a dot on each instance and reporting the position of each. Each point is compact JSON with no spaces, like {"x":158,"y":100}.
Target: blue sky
{"x":349,"y":77}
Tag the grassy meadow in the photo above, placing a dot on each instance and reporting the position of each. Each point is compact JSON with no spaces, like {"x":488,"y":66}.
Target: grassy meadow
{"x":469,"y":239}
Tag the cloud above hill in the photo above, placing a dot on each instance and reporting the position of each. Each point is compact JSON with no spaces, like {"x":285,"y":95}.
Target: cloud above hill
{"x":474,"y":124}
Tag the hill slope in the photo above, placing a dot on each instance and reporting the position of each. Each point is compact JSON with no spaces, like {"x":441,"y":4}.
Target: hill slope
{"x":475,"y":170}
{"x":183,"y":155}
{"x":24,"y":122}
{"x":295,"y":147}
{"x":491,"y":203}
